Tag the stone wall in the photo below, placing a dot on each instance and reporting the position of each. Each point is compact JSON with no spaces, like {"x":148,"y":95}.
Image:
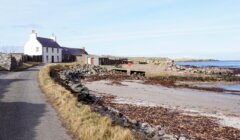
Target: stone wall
{"x":5,"y":61}
{"x":88,"y":59}
{"x":10,"y":61}
{"x":82,"y":59}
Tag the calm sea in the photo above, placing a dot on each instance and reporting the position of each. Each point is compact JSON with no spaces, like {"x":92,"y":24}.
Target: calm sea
{"x":226,"y":63}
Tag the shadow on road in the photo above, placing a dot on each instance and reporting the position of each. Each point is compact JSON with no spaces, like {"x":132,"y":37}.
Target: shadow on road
{"x":5,"y":83}
{"x":32,"y":69}
{"x":18,"y":120}
{"x":3,"y":72}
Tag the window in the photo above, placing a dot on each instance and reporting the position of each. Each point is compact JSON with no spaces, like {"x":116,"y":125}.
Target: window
{"x":47,"y":58}
{"x":57,"y":50}
{"x":37,"y":49}
{"x":57,"y":58}
{"x":52,"y":50}
{"x":47,"y":49}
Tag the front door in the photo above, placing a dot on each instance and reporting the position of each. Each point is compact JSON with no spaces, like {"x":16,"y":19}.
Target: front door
{"x":52,"y":59}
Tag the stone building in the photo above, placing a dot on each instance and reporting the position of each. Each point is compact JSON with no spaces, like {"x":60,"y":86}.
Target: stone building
{"x":72,"y":54}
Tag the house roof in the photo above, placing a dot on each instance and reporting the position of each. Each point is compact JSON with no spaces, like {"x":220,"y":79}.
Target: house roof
{"x":46,"y":42}
{"x":73,"y":51}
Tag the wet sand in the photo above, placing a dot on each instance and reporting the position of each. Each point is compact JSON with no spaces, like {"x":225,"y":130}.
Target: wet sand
{"x":221,"y":105}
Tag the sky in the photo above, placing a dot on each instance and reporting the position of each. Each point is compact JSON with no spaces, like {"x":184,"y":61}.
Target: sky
{"x":149,"y":28}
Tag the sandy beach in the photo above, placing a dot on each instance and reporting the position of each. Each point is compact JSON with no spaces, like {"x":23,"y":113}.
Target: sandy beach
{"x":223,"y":106}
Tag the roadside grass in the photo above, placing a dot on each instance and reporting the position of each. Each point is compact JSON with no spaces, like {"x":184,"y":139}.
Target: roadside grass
{"x":80,"y":121}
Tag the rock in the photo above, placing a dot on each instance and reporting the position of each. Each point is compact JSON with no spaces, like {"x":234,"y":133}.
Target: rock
{"x":182,"y":138}
{"x":94,"y":97}
{"x":158,"y":127}
{"x":150,"y":132}
{"x":62,"y":76}
{"x":113,"y":112}
{"x":8,"y":62}
{"x":85,"y":90}
{"x":168,"y":137}
{"x":126,"y":124}
{"x":134,"y":122}
{"x":70,"y":83}
{"x":156,"y":137}
{"x":82,"y":97}
{"x":120,"y":115}
{"x":161,"y":132}
{"x":145,"y":126}
{"x":76,"y":88}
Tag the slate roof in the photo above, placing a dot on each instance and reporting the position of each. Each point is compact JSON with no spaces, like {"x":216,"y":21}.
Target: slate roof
{"x":46,"y":42}
{"x":73,"y":51}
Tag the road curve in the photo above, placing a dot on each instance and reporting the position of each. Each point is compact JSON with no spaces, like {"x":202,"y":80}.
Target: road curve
{"x":25,"y":113}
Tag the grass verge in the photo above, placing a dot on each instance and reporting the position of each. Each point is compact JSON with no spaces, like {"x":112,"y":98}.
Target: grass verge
{"x":80,"y":121}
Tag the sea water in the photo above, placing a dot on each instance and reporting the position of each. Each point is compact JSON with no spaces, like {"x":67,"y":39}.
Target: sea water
{"x":222,"y":63}
{"x":225,"y":64}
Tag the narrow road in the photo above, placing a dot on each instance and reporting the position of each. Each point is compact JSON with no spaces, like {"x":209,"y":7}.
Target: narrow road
{"x":25,"y":113}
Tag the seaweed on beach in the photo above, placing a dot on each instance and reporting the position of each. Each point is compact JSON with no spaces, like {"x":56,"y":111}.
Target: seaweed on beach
{"x":213,"y":77}
{"x":172,"y":84}
{"x":190,"y":126}
{"x":170,"y":81}
{"x":117,"y":77}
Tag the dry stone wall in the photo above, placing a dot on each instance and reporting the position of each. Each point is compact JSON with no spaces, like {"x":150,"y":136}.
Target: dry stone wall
{"x":5,"y":61}
{"x":8,"y":62}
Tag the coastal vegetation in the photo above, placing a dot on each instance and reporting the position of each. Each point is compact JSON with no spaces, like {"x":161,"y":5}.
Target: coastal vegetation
{"x":154,"y":121}
{"x":80,"y":121}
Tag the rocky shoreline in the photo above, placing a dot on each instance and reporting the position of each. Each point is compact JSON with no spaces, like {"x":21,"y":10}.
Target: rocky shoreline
{"x":72,"y":77}
{"x":177,"y":124}
{"x":125,"y":115}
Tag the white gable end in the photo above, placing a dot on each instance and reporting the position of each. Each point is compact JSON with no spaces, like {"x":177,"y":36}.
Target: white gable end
{"x":33,"y":46}
{"x":45,"y":48}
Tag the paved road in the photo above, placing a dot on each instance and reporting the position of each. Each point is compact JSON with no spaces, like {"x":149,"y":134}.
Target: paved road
{"x":25,"y":113}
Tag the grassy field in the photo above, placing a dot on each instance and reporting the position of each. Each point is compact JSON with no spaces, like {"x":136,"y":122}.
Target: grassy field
{"x":80,"y":121}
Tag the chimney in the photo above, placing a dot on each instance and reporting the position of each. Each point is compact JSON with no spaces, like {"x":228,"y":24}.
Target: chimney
{"x":33,"y":34}
{"x":53,"y":37}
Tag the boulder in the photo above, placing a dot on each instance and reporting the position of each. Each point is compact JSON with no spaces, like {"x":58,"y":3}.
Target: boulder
{"x":76,"y":88}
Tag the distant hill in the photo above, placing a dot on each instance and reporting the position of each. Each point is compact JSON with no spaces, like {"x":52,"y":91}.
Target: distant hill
{"x":192,"y":60}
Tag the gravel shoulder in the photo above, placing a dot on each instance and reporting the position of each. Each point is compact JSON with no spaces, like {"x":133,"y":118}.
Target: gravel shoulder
{"x":25,"y":113}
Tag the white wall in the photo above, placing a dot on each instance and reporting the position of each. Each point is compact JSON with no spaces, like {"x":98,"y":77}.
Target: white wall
{"x":93,"y":60}
{"x":51,"y":53}
{"x":31,"y":46}
{"x":34,"y":47}
{"x":89,"y":60}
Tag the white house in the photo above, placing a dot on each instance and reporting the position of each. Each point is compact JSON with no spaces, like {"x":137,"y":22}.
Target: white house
{"x":47,"y":48}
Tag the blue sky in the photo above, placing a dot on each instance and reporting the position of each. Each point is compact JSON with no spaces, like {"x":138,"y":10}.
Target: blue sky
{"x":151,"y":28}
